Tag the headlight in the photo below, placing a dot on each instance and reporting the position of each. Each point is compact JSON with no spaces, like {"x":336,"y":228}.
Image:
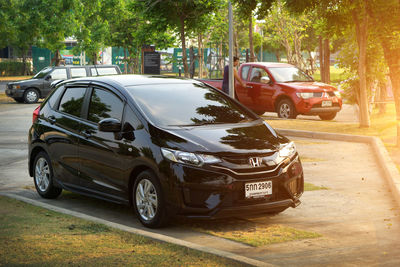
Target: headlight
{"x":16,"y":86}
{"x":188,"y":157}
{"x":337,"y":93}
{"x":287,"y":150}
{"x":305,"y":95}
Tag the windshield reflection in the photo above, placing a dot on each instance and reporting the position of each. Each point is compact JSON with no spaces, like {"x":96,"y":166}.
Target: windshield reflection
{"x":289,"y":74}
{"x":187,"y":104}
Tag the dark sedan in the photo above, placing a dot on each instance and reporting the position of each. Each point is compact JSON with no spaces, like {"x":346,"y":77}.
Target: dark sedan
{"x":169,"y":147}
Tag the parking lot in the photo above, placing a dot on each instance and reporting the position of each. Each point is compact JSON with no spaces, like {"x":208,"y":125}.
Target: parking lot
{"x":356,"y":215}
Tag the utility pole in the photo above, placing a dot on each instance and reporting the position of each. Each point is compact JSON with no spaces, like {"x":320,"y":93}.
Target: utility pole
{"x":231,"y":78}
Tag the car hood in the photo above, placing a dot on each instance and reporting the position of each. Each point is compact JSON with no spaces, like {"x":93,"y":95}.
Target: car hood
{"x":255,"y":137}
{"x":28,"y":81}
{"x":308,"y":86}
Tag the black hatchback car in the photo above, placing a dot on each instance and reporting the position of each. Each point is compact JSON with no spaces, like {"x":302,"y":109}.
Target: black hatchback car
{"x":169,"y":147}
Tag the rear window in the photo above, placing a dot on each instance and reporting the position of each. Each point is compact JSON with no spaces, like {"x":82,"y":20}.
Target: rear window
{"x":190,"y":104}
{"x":78,"y":72}
{"x":103,"y":71}
{"x":72,"y":100}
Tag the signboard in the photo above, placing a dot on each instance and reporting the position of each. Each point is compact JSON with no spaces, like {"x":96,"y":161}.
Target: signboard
{"x":151,"y":63}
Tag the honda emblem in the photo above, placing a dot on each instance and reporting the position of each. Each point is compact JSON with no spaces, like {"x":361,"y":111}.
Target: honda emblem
{"x":255,"y":162}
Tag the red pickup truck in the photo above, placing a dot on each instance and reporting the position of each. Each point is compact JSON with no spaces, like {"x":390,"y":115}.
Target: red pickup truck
{"x":284,"y":89}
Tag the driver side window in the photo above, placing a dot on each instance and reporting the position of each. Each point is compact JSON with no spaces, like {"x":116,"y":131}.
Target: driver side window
{"x":257,"y":74}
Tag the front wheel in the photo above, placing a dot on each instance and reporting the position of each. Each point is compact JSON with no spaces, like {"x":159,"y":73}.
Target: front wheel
{"x":327,"y":117}
{"x":286,"y":109}
{"x":148,"y":200}
{"x":31,"y":96}
{"x":43,"y":177}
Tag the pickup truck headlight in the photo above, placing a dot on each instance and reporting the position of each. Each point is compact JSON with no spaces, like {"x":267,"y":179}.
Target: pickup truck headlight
{"x":188,"y":157}
{"x":305,"y":95}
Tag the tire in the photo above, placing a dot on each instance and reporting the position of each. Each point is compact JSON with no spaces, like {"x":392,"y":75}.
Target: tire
{"x":286,"y":109}
{"x":31,"y":96}
{"x":19,"y":100}
{"x":43,"y":177}
{"x":328,"y":116}
{"x":150,"y":207}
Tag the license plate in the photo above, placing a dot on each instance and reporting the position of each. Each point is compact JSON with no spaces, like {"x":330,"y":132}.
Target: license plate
{"x":326,"y":104}
{"x":258,"y":189}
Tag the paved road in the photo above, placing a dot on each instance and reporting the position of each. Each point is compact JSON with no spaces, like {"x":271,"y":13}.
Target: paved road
{"x":357,"y":216}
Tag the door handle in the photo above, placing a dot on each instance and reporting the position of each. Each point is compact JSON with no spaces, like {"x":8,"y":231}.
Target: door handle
{"x":86,"y":134}
{"x":52,"y":119}
{"x":249,"y":86}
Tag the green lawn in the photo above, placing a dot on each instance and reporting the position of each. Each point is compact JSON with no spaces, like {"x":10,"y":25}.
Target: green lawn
{"x":337,"y":75}
{"x":34,"y":236}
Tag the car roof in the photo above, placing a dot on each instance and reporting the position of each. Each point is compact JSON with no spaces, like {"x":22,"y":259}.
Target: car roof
{"x":268,"y":64}
{"x":126,"y":80}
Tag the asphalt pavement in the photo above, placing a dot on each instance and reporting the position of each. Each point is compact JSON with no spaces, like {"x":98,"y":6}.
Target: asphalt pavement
{"x":356,"y":216}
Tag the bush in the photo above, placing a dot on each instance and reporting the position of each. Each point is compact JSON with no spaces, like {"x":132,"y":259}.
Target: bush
{"x":13,"y":68}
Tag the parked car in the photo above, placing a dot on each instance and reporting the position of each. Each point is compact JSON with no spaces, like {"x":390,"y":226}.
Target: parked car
{"x":167,"y":146}
{"x":31,"y":90}
{"x":284,"y":89}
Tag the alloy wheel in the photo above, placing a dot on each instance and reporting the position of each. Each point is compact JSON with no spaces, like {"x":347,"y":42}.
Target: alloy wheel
{"x":146,"y":199}
{"x":42,"y":174}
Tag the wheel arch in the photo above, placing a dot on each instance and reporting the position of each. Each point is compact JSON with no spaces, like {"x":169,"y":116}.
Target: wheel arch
{"x":35,"y":151}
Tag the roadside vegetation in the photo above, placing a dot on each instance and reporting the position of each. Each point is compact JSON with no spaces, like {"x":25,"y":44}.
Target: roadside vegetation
{"x":34,"y":236}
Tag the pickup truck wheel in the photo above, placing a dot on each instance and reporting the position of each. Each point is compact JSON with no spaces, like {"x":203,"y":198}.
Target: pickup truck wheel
{"x":286,"y":109}
{"x":327,"y":117}
{"x":31,"y":95}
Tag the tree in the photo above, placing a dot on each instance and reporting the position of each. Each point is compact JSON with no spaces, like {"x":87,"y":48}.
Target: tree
{"x":180,"y":15}
{"x":288,"y":30}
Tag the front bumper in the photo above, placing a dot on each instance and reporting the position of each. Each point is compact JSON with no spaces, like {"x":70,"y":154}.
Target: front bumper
{"x":313,"y":106}
{"x":209,"y":194}
{"x":14,"y":93}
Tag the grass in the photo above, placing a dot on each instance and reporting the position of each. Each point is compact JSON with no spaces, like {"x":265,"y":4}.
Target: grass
{"x":35,"y":236}
{"x":13,"y":78}
{"x":5,"y":98}
{"x":312,"y":187}
{"x":337,"y":75}
{"x":253,"y":234}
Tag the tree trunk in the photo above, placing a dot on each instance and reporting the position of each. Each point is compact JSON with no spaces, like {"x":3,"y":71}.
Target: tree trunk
{"x":183,"y":40}
{"x":278,"y":55}
{"x":361,"y":33}
{"x":24,"y":62}
{"x":321,"y":60}
{"x":200,"y":53}
{"x":252,"y":58}
{"x":327,"y":60}
{"x":382,"y":97}
{"x":94,"y":58}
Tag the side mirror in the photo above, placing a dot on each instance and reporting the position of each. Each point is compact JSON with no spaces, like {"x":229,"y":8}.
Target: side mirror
{"x":48,"y":77}
{"x":109,"y":125}
{"x":265,"y":80}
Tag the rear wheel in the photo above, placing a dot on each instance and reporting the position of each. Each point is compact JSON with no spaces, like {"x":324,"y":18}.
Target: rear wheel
{"x":31,"y":95}
{"x":148,"y":200}
{"x":328,"y":116}
{"x":286,"y":109}
{"x":43,"y":177}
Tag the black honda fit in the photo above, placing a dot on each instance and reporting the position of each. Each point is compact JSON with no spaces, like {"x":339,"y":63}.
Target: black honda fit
{"x":169,"y":147}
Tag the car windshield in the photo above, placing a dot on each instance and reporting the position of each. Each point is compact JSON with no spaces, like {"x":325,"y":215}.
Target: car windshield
{"x":42,"y":73}
{"x":289,"y":74}
{"x":187,"y":104}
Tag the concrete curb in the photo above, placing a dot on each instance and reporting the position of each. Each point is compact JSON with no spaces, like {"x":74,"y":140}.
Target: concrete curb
{"x":388,"y":168}
{"x":155,"y":236}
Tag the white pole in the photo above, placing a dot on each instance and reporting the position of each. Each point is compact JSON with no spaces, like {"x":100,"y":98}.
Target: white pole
{"x":231,"y":78}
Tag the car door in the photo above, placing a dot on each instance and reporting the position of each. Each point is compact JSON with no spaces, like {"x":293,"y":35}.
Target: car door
{"x":260,"y":90}
{"x":56,"y":74}
{"x":241,"y":91}
{"x":63,"y":138}
{"x":100,"y":152}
